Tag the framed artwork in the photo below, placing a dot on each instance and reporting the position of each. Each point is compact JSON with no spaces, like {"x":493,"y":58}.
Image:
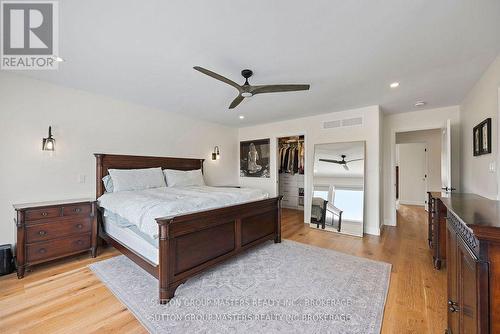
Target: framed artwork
{"x":254,"y":158}
{"x":482,"y":138}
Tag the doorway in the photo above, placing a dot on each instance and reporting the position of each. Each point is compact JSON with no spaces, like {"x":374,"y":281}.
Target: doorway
{"x":291,"y":168}
{"x":419,"y":165}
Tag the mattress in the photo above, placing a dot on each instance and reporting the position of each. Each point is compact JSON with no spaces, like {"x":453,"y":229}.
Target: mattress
{"x":142,"y":207}
{"x":133,"y":239}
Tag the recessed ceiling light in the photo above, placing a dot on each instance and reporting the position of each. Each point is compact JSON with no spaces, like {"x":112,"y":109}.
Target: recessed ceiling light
{"x":58,"y":59}
{"x":242,"y":117}
{"x":420,"y":103}
{"x":394,"y":85}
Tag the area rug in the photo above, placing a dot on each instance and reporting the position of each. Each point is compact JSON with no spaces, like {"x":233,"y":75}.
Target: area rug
{"x":272,"y":288}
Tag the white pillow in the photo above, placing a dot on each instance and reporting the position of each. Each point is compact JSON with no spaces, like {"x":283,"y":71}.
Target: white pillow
{"x":137,"y":179}
{"x":181,"y":178}
{"x":108,"y":183}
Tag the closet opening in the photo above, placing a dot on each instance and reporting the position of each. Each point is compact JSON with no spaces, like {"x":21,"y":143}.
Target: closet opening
{"x":291,"y":167}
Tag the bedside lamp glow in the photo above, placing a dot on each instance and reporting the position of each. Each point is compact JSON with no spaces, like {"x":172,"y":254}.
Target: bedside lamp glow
{"x":216,"y":153}
{"x":49,"y":143}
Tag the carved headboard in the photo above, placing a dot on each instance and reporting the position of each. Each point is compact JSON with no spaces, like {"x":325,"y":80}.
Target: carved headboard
{"x":110,"y":161}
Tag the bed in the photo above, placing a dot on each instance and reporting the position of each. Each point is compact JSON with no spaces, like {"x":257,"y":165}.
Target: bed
{"x":189,"y":242}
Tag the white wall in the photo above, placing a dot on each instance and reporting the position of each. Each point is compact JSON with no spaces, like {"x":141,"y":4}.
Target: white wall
{"x":412,"y":121}
{"x":83,"y":124}
{"x":311,"y":127}
{"x":432,"y":139}
{"x":411,"y":173}
{"x":480,"y":103}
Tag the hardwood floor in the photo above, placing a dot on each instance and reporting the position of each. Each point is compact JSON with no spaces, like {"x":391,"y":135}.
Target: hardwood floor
{"x":65,"y":296}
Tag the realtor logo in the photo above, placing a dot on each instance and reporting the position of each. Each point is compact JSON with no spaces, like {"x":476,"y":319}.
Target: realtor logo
{"x":29,"y":33}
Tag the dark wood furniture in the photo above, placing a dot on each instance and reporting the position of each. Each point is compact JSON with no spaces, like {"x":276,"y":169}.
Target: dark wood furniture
{"x":436,"y":228}
{"x":473,"y":249}
{"x":191,"y":243}
{"x":51,"y":230}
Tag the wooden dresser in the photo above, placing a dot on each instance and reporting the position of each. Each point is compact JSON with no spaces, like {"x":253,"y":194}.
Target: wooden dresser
{"x":51,"y":230}
{"x":437,"y":228}
{"x":473,"y":263}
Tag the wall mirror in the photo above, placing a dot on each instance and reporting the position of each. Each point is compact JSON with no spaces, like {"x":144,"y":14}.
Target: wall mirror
{"x":338,"y":187}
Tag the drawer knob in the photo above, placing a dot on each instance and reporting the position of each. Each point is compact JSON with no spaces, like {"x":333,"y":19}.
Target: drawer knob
{"x":77,"y":209}
{"x":79,"y":226}
{"x":42,"y":251}
{"x":79,"y":242}
{"x":42,"y":233}
{"x":44,"y":213}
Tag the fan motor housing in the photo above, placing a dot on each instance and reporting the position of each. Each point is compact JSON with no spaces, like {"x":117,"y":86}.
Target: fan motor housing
{"x":246,"y":73}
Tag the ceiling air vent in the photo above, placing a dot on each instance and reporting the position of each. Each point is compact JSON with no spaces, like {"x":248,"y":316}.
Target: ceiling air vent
{"x":340,"y":123}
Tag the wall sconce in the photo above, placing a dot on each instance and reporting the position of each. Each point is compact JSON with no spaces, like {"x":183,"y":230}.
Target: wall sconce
{"x":216,"y":153}
{"x":49,"y":143}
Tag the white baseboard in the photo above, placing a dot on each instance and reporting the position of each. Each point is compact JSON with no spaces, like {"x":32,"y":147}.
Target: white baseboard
{"x":389,"y":222}
{"x":404,"y":202}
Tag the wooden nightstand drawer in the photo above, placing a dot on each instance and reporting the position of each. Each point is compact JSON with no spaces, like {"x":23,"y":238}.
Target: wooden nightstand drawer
{"x":77,"y":210}
{"x":52,"y":249}
{"x":57,"y":229}
{"x":36,"y":214}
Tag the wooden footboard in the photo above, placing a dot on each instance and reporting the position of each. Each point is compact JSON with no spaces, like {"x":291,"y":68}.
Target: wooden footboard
{"x":194,"y":242}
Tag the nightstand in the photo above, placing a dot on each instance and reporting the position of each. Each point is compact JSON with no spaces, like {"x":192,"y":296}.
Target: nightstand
{"x":52,"y":230}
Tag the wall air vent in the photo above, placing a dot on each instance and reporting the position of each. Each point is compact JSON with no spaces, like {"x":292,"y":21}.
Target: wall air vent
{"x":332,"y":124}
{"x":340,"y":123}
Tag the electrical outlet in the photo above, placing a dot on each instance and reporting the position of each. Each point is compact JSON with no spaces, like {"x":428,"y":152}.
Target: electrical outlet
{"x":82,"y":178}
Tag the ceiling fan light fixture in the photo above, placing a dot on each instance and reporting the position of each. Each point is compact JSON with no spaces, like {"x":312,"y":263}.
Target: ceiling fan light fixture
{"x":246,"y":94}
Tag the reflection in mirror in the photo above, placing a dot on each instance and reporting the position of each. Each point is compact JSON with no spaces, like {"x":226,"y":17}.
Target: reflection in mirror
{"x":338,"y":187}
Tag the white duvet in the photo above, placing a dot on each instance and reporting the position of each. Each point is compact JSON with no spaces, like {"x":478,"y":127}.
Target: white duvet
{"x":141,"y":207}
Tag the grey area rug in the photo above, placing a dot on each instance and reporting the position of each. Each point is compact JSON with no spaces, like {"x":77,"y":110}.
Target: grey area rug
{"x":272,"y":288}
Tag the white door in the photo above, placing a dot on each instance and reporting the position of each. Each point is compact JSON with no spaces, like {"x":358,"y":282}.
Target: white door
{"x":446,"y":158}
{"x":412,"y":173}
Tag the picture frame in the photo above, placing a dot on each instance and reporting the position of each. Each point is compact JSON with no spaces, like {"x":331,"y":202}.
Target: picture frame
{"x":481,"y":136}
{"x":255,"y":157}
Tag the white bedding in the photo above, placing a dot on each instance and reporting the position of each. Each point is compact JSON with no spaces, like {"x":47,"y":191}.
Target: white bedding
{"x":141,"y":207}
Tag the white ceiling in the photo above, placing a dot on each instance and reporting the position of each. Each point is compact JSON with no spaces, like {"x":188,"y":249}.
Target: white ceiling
{"x":349,"y":51}
{"x":333,"y":151}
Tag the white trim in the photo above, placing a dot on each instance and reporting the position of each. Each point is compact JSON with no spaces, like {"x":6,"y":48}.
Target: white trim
{"x":411,"y":203}
{"x":498,"y":147}
{"x":392,"y":190}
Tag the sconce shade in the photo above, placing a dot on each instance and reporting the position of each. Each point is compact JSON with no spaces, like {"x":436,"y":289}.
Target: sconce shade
{"x":49,"y":143}
{"x":216,"y":153}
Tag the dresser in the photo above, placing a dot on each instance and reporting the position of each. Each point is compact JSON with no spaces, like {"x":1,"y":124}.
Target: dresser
{"x":473,"y":263}
{"x":291,"y":187}
{"x":436,"y":228}
{"x":52,"y":230}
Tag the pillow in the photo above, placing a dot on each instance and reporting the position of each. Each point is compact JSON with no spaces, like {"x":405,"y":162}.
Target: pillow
{"x":108,"y":183}
{"x":137,"y":179}
{"x":181,"y":178}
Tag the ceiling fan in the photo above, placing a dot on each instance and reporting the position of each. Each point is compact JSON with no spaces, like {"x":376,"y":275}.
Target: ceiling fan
{"x":247,"y":90}
{"x":342,"y":162}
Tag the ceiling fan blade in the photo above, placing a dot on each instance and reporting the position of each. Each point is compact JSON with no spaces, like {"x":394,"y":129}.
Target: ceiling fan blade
{"x":236,"y":101}
{"x":218,"y":77}
{"x":345,"y":166}
{"x":277,"y":88}
{"x":332,"y":161}
{"x":355,"y":160}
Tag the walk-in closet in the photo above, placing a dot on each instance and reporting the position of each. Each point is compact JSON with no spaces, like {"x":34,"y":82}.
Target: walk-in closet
{"x":291,"y":165}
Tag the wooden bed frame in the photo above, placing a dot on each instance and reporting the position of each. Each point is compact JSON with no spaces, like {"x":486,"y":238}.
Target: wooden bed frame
{"x":191,"y":243}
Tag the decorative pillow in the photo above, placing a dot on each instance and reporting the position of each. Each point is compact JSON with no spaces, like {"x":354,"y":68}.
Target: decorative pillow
{"x":108,"y":183}
{"x":137,"y":179}
{"x":181,"y":178}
